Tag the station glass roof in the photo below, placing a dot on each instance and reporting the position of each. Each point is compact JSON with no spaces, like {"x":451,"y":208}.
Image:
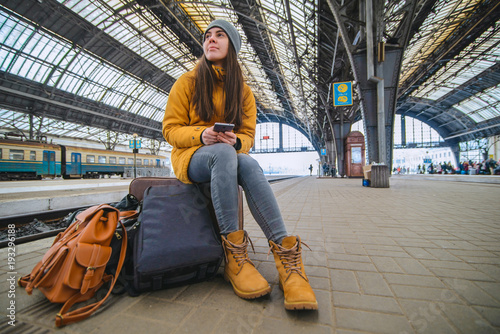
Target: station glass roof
{"x":474,"y":60}
{"x":39,"y":55}
{"x":33,"y":52}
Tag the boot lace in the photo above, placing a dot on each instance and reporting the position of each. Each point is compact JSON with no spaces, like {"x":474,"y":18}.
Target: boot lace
{"x":239,"y":252}
{"x":290,"y":258}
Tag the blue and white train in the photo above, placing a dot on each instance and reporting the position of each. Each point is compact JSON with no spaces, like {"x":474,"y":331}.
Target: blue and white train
{"x":24,"y":160}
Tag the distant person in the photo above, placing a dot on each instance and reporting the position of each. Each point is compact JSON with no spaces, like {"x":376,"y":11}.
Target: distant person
{"x":333,"y":170}
{"x":492,"y":164}
{"x":450,"y":168}
{"x":214,"y":91}
{"x":444,"y":167}
{"x":310,"y":170}
{"x":496,"y":170}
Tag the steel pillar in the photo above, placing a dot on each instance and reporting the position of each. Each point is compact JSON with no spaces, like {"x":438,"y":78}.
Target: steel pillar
{"x":280,"y":135}
{"x":374,"y":132}
{"x":341,"y":131}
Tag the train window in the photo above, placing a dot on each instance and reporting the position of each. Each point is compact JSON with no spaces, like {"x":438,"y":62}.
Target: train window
{"x":130,"y":161}
{"x":121,"y":161}
{"x":112,"y":160}
{"x":32,"y":155}
{"x":16,"y":155}
{"x":146,"y":162}
{"x":90,"y":159}
{"x":101,"y":159}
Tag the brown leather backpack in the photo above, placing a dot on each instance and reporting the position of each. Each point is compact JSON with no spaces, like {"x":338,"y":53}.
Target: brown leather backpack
{"x":72,"y":270}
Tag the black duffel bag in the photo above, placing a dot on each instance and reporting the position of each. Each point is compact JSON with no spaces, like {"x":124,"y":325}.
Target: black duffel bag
{"x":129,"y":208}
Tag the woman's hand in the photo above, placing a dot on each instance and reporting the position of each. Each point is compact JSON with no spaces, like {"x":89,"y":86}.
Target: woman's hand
{"x":210,"y":137}
{"x":227,"y":137}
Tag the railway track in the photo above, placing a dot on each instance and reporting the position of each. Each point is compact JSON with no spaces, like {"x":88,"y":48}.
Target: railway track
{"x":50,"y":222}
{"x":27,"y":224}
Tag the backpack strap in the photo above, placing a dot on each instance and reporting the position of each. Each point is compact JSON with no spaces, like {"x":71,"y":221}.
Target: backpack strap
{"x":128,"y":214}
{"x":64,"y":317}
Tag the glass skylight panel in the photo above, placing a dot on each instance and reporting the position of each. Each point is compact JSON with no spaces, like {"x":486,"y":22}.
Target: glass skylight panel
{"x":17,"y":66}
{"x":132,"y":98}
{"x":143,"y":93}
{"x":149,"y":110}
{"x":269,"y":7}
{"x":393,"y":15}
{"x":35,"y":71}
{"x":96,"y":17}
{"x":7,"y":58}
{"x":146,"y":110}
{"x":52,"y":51}
{"x":120,"y":33}
{"x":91,"y":66}
{"x":156,"y":113}
{"x":119,"y":91}
{"x":25,"y":68}
{"x":159,"y":101}
{"x":472,"y":61}
{"x":35,"y":45}
{"x":482,"y":106}
{"x":89,"y":11}
{"x":126,"y":85}
{"x":33,"y":48}
{"x":252,"y":71}
{"x":18,"y":35}
{"x":124,"y":29}
{"x":112,"y":98}
{"x":11,"y":29}
{"x":106,"y":75}
{"x":437,"y":27}
{"x":88,"y":90}
{"x":176,"y":72}
{"x":69,"y":82}
{"x":78,"y":6}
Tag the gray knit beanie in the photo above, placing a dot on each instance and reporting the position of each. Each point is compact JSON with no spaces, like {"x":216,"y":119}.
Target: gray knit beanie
{"x":232,"y":33}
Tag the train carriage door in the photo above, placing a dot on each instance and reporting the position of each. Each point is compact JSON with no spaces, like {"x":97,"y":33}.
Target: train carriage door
{"x":76,"y":163}
{"x":49,"y":163}
{"x":158,"y":163}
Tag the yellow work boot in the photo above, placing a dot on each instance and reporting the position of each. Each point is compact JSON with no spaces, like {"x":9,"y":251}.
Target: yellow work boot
{"x":293,"y":280}
{"x":247,"y":282}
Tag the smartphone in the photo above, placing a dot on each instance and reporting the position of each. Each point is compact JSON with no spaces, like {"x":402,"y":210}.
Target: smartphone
{"x":223,"y":127}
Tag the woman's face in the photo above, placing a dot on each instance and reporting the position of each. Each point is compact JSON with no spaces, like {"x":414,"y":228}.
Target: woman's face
{"x":216,"y":45}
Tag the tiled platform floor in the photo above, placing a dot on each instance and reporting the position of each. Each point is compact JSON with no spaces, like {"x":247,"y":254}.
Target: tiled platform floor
{"x":419,"y":257}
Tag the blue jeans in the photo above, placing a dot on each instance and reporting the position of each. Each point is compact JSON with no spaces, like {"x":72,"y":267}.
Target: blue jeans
{"x":220,"y":165}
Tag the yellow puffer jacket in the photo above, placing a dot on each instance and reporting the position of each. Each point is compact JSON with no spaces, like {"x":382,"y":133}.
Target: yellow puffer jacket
{"x":182,"y":128}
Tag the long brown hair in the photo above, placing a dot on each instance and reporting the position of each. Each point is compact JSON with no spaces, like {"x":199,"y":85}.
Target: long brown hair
{"x":206,"y":80}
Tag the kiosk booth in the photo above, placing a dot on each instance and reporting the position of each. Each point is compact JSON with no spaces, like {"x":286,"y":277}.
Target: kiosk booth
{"x":354,"y":154}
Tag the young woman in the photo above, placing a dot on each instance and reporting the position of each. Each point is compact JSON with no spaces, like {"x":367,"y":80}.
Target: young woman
{"x":215,"y":92}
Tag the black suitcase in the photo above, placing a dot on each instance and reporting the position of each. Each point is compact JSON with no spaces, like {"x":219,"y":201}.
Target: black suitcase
{"x":178,"y":239}
{"x":139,"y":185}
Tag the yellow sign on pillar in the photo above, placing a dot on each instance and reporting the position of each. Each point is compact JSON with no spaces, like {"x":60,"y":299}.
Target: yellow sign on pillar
{"x":342,"y":94}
